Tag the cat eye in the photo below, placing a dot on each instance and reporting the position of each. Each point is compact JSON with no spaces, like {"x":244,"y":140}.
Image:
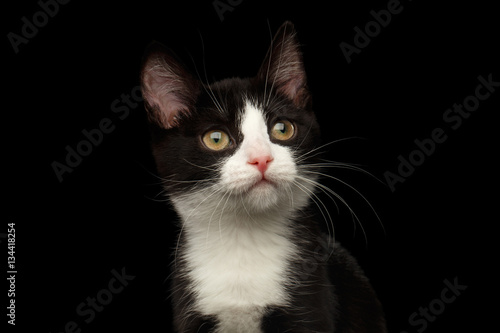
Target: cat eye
{"x":283,"y":130}
{"x":216,"y":140}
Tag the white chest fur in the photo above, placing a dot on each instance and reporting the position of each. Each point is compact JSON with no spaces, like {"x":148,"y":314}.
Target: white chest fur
{"x":238,"y":267}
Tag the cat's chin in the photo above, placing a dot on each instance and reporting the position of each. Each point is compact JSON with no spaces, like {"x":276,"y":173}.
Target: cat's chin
{"x":262,"y":196}
{"x":263,"y":185}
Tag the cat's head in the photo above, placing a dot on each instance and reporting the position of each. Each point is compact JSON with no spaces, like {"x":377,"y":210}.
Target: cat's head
{"x":236,"y":144}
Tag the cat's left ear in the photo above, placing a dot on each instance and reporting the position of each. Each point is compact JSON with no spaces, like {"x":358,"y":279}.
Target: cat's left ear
{"x":282,"y":70}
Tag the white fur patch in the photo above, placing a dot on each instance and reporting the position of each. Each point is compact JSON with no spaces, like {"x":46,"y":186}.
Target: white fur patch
{"x":240,"y":177}
{"x":238,"y":231}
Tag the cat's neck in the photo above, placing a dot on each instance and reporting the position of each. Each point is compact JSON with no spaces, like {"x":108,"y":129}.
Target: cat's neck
{"x":236,"y":258}
{"x":240,"y":234}
{"x":216,"y":223}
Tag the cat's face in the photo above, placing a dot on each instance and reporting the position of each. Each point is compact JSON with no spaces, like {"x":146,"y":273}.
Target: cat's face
{"x":237,"y":144}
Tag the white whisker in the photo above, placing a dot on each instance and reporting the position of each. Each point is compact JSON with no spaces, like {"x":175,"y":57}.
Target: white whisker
{"x":277,"y":71}
{"x":316,"y":199}
{"x":206,"y":85}
{"x":352,"y":188}
{"x":304,"y":156}
{"x":222,"y":213}
{"x":268,"y":63}
{"x":204,"y":167}
{"x":341,"y":165}
{"x":326,"y":190}
{"x":305,"y":136}
{"x":213,"y":213}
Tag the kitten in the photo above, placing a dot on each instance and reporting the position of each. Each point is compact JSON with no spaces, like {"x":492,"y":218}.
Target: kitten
{"x":237,"y":160}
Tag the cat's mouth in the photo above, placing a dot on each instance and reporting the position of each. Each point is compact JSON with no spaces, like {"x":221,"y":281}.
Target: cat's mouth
{"x":261,"y":195}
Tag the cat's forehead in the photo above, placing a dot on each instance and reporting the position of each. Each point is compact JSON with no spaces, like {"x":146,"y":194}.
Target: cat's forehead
{"x":228,"y":100}
{"x":230,"y":94}
{"x":252,"y":119}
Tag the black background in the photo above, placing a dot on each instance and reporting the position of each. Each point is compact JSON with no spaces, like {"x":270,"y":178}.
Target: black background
{"x":106,"y":214}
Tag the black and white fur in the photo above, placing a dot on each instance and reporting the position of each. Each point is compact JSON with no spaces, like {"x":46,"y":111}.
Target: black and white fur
{"x":250,"y":255}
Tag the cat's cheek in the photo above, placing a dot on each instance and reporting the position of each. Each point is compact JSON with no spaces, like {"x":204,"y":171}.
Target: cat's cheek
{"x":236,"y":176}
{"x":284,"y":169}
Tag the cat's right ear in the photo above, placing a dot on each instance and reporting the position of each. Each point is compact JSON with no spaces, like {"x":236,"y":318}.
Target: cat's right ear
{"x":169,"y":91}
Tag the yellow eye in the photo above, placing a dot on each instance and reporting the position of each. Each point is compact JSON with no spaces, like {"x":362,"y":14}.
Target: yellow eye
{"x":283,"y":130}
{"x":216,"y":140}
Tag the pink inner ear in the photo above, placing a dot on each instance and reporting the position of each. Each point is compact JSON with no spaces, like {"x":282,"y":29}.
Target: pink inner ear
{"x":292,"y":86}
{"x":170,"y":110}
{"x":167,"y":106}
{"x":163,"y":91}
{"x":283,"y":66}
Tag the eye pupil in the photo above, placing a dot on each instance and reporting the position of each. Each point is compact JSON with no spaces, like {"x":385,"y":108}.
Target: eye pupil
{"x":216,"y":137}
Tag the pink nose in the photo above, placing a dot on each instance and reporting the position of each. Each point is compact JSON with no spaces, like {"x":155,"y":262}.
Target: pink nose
{"x":261,"y":162}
